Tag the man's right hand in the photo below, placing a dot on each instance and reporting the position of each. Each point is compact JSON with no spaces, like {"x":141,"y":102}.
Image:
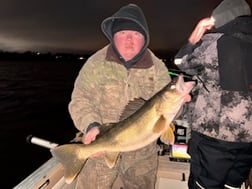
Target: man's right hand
{"x":89,"y":137}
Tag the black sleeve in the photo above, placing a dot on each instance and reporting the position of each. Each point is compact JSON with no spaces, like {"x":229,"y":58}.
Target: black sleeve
{"x":184,"y":50}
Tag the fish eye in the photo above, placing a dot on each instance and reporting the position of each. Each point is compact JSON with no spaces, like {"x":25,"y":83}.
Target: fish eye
{"x":173,"y":87}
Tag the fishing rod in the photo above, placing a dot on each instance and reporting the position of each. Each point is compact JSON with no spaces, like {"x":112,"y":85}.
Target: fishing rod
{"x":175,"y":72}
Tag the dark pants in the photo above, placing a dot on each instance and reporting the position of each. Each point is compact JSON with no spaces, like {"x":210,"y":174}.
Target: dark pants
{"x":216,"y":164}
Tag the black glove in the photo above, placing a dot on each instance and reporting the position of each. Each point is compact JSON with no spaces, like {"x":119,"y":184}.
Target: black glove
{"x":92,"y":125}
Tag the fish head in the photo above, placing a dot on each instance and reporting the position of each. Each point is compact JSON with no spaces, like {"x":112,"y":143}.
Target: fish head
{"x":182,"y":87}
{"x":175,"y":95}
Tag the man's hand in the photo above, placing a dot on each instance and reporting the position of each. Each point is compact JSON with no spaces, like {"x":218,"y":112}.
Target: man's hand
{"x":202,"y":26}
{"x":89,"y":137}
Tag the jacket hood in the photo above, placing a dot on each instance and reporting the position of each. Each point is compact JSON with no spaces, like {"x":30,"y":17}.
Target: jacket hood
{"x":241,"y":24}
{"x":228,"y":10}
{"x":129,"y":13}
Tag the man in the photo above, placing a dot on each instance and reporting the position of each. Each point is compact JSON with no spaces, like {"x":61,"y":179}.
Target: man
{"x":123,"y":70}
{"x":220,"y":113}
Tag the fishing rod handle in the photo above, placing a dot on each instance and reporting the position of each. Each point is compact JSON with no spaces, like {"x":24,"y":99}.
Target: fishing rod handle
{"x":41,"y":142}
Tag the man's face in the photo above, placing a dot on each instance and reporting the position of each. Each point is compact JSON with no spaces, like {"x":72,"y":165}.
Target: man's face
{"x":128,"y":43}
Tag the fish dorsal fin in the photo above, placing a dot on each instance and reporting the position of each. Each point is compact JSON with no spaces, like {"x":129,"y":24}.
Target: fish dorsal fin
{"x":111,"y":158}
{"x":132,"y":107}
{"x":167,"y":136}
{"x":129,"y":109}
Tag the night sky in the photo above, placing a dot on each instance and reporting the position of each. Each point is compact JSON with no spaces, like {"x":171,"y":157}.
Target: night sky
{"x":74,"y":26}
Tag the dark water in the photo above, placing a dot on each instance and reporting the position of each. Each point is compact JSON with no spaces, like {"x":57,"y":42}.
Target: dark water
{"x":33,"y":100}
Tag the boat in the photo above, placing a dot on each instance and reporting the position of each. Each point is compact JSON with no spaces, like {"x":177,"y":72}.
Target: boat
{"x":50,"y":175}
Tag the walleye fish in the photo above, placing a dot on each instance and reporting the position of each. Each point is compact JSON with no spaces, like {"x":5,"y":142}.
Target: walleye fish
{"x":151,"y":121}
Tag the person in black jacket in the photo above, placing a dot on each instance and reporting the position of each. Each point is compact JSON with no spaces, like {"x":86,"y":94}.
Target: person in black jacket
{"x":219,"y":55}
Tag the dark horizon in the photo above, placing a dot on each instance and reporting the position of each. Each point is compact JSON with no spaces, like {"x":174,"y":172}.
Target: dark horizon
{"x":31,"y":55}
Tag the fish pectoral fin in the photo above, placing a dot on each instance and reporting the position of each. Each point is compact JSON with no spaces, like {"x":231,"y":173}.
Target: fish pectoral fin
{"x":168,"y":136}
{"x":159,"y":125}
{"x":111,"y":158}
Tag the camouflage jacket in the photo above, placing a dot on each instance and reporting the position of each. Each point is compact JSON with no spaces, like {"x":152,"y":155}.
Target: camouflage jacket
{"x":104,"y":86}
{"x":214,"y":111}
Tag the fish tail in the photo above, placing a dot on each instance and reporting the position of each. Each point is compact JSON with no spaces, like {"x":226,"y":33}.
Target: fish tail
{"x":68,"y":156}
